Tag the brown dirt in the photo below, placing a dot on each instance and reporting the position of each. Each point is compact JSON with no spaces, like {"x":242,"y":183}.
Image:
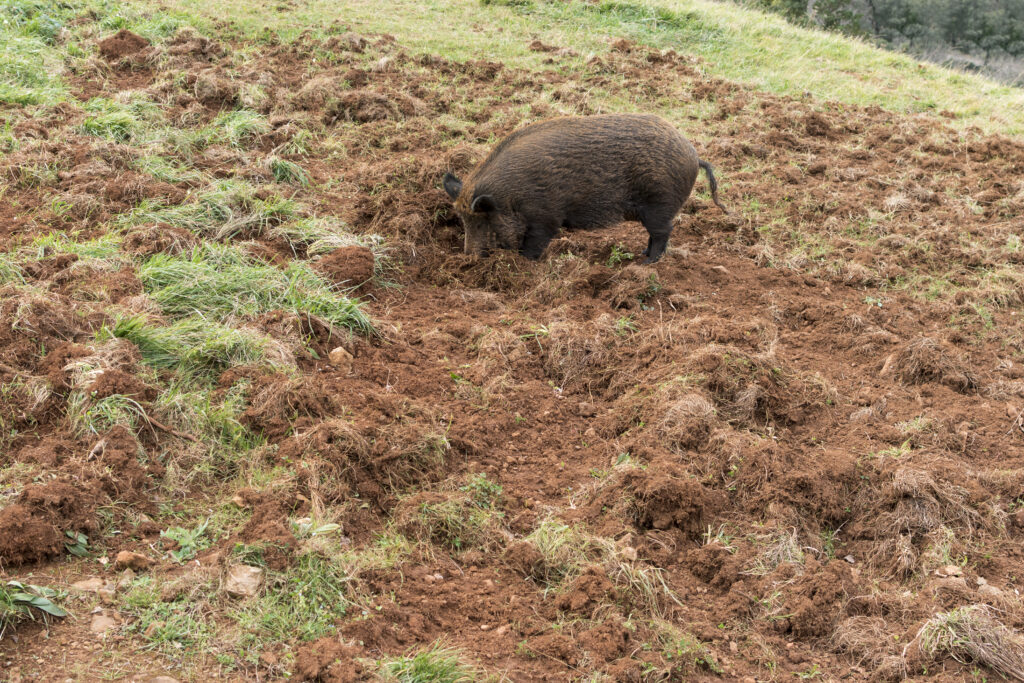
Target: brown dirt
{"x":122,"y":44}
{"x":746,"y":390}
{"x":348,"y":267}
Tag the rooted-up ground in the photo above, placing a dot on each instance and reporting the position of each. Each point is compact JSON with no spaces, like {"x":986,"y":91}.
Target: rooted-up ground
{"x":262,"y":419}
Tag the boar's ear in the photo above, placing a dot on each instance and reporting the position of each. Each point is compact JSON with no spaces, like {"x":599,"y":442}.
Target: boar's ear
{"x":452,"y":185}
{"x":483,"y":204}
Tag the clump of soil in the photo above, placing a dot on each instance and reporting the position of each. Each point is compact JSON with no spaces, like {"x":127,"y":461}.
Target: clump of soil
{"x":147,"y":240}
{"x":364,"y":106}
{"x":348,"y":267}
{"x":328,"y":660}
{"x":32,"y":527}
{"x":122,"y":44}
{"x":666,"y":496}
{"x":925,"y":359}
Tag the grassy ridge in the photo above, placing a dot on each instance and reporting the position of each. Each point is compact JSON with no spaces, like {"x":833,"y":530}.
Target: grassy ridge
{"x":737,"y":43}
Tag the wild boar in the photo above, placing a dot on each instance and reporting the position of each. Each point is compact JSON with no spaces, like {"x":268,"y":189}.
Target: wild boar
{"x":578,"y":173}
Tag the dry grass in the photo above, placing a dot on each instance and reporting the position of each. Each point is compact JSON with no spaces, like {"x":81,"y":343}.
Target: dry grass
{"x":871,"y":642}
{"x":925,"y":359}
{"x":973,"y":634}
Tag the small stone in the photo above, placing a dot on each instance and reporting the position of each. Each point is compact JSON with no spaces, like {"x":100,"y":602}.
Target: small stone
{"x":950,"y":570}
{"x":501,"y":630}
{"x":733,"y":647}
{"x":850,"y":559}
{"x":1018,"y":518}
{"x":88,"y":585}
{"x":981,"y":581}
{"x":153,"y":627}
{"x":488,"y":584}
{"x":887,"y":365}
{"x":1012,"y":411}
{"x":485,"y":627}
{"x":101,"y":623}
{"x":721,"y":269}
{"x":107,"y":596}
{"x":438,"y":577}
{"x":129,"y":560}
{"x":586,"y":409}
{"x":243,"y":581}
{"x":239,"y":501}
{"x":629,"y":553}
{"x":340,"y":357}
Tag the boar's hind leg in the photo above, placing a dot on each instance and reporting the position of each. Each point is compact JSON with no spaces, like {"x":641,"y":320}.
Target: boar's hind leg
{"x":659,"y":227}
{"x":535,"y":242}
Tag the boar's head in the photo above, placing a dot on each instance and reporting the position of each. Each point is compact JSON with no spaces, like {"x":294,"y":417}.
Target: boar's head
{"x":489,"y":222}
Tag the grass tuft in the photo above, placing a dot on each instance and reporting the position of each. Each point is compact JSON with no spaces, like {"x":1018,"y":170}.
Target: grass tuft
{"x":219,"y":281}
{"x":193,"y":345}
{"x":436,"y":664}
{"x":972,"y":634}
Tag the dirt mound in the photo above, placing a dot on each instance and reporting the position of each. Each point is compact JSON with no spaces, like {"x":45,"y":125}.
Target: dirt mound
{"x":33,"y":527}
{"x":666,"y":496}
{"x":348,"y":267}
{"x":122,"y":44}
{"x":365,"y":106}
{"x":329,"y":661}
{"x":267,"y":528}
{"x":815,"y":600}
{"x":147,"y":240}
{"x":587,"y":593}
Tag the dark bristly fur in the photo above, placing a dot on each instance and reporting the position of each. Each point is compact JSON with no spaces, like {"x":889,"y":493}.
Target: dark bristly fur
{"x":578,"y":173}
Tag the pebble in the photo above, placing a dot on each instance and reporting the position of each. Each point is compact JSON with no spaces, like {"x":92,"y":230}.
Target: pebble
{"x":340,"y":357}
{"x":243,"y":581}
{"x":129,"y":560}
{"x":101,"y":623}
{"x":88,"y":585}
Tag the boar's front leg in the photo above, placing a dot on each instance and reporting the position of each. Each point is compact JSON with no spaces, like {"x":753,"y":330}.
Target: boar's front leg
{"x":536,"y":241}
{"x":658,"y":222}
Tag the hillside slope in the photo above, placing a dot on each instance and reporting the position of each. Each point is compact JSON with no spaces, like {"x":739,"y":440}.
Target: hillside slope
{"x":262,"y":419}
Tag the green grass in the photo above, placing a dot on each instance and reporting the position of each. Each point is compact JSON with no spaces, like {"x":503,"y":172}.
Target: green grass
{"x":236,"y":128}
{"x":194,"y":346}
{"x":96,"y":417}
{"x":219,"y":281}
{"x":221,"y":211}
{"x":285,"y":171}
{"x":456,"y":523}
{"x":10,"y":271}
{"x":120,"y":122}
{"x":303,"y":602}
{"x":29,"y":62}
{"x":436,"y":664}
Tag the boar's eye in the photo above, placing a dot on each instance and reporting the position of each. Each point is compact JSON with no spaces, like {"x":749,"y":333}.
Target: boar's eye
{"x":483,"y":204}
{"x":452,"y":185}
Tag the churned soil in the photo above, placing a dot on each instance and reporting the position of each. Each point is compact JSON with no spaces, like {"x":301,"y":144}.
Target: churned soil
{"x":801,"y":415}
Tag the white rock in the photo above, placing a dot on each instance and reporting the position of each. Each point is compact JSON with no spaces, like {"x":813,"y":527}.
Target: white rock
{"x":243,"y":581}
{"x":340,"y":357}
{"x":88,"y":585}
{"x":101,"y":623}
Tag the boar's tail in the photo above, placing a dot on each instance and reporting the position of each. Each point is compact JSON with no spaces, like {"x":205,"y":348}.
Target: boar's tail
{"x":713,"y":183}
